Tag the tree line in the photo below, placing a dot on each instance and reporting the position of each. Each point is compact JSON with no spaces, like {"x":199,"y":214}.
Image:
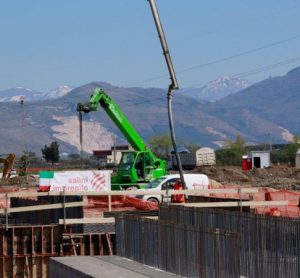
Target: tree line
{"x":161,"y":145}
{"x":232,"y":151}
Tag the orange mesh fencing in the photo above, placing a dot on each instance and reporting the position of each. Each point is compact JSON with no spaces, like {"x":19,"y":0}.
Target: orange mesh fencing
{"x":118,"y":203}
{"x":291,"y":210}
{"x":265,"y":194}
{"x":97,"y":205}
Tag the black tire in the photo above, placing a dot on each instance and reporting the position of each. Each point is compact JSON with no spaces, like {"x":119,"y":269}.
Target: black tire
{"x":153,"y":200}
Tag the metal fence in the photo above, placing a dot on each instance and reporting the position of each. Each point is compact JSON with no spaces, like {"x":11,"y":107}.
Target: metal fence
{"x":182,"y":249}
{"x":269,"y":246}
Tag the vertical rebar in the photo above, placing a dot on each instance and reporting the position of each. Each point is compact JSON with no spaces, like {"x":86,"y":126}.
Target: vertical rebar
{"x":185,"y":250}
{"x":240,"y":199}
{"x":6,"y":214}
{"x":64,"y":207}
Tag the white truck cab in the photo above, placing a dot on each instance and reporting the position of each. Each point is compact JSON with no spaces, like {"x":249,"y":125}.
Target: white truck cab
{"x":192,"y":181}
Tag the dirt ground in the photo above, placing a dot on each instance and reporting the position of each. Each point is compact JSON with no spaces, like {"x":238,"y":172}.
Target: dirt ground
{"x":19,"y":181}
{"x":278,"y":177}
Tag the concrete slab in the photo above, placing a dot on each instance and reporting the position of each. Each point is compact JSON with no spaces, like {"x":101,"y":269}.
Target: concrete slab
{"x":102,"y":266}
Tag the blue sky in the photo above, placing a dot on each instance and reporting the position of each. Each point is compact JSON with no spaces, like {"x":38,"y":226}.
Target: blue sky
{"x":45,"y":44}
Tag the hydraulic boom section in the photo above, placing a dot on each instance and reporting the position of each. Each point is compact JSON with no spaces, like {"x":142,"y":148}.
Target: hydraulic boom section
{"x":138,"y":166}
{"x":100,"y":98}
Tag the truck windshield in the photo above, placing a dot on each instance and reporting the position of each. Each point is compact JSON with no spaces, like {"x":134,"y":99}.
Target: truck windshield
{"x":126,"y":161}
{"x":154,"y":183}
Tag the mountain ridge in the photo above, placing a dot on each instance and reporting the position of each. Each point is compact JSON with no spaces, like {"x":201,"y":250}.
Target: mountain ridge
{"x":217,"y":89}
{"x":269,"y":108}
{"x":15,"y":94}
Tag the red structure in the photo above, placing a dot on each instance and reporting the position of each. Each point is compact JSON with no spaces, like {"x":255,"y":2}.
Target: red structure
{"x":246,"y":163}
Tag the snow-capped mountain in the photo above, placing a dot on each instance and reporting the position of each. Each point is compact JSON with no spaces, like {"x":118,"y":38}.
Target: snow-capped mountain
{"x":217,"y":89}
{"x":14,"y":94}
{"x":58,"y":92}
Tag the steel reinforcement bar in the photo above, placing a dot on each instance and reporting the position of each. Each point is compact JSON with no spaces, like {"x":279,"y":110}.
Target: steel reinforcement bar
{"x":269,"y":246}
{"x":182,"y":249}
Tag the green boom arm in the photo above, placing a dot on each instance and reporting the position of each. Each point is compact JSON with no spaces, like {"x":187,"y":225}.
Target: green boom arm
{"x":136,"y":171}
{"x":99,"y":97}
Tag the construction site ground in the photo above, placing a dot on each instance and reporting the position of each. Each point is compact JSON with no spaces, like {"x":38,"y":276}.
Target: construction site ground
{"x":275,"y":183}
{"x":277,"y":177}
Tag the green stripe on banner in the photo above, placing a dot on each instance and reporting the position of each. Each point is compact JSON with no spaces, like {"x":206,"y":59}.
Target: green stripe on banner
{"x":46,"y":174}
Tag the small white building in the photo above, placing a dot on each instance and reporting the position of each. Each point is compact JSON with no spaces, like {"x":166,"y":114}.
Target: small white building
{"x":260,"y":159}
{"x":205,"y":156}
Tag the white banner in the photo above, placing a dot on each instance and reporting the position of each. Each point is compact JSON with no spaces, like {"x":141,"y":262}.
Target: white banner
{"x":81,"y":181}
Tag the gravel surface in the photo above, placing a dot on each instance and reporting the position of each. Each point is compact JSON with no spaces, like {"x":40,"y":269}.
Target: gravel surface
{"x":278,"y":177}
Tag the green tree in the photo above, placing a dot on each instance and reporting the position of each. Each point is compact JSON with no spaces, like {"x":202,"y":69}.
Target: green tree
{"x":192,"y":146}
{"x":161,"y":145}
{"x":24,"y":163}
{"x":33,"y":159}
{"x":233,"y":152}
{"x":287,"y":154}
{"x":51,"y":153}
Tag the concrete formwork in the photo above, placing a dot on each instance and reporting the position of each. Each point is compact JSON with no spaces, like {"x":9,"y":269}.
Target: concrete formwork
{"x":25,"y":250}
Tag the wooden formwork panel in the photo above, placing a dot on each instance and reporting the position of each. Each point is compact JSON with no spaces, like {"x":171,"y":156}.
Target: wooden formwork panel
{"x":87,"y":245}
{"x":27,"y":267}
{"x":25,"y":250}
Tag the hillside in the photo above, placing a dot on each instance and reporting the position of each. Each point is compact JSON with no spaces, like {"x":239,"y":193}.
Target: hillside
{"x":216,"y":89}
{"x":145,"y":108}
{"x":266,"y":109}
{"x":15,"y":94}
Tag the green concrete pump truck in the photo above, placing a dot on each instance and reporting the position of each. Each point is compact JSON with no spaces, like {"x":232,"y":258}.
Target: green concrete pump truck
{"x":138,"y":167}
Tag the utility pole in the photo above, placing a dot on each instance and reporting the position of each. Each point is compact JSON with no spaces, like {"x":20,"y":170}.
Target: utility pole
{"x":80,"y":138}
{"x":22,"y":115}
{"x":173,"y":86}
{"x":24,"y":159}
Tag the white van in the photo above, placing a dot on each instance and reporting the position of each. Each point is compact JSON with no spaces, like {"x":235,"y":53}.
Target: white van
{"x":192,"y":181}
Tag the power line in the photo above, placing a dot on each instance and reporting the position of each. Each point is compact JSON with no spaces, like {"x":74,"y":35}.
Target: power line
{"x":250,"y":72}
{"x":220,"y":60}
{"x":241,"y":54}
{"x":265,"y":68}
{"x":237,"y":75}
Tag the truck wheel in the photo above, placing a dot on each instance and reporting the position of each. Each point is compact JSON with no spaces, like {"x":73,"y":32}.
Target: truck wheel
{"x":132,"y":188}
{"x":153,"y":200}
